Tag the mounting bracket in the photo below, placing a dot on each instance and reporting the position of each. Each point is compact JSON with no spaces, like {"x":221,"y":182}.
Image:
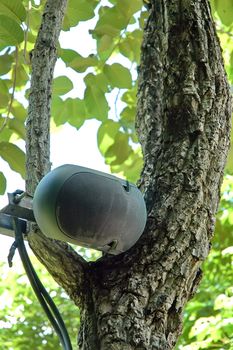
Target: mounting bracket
{"x":20,"y":206}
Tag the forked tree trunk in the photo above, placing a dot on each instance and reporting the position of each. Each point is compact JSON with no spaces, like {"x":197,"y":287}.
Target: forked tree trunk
{"x":135,"y":301}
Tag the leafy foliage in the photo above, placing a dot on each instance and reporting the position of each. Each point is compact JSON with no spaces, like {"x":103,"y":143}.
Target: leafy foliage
{"x":14,"y":156}
{"x":106,"y":75}
{"x":208,"y":321}
{"x":62,"y":85}
{"x":23,"y":323}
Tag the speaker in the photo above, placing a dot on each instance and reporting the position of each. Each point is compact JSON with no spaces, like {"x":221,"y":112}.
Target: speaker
{"x":89,"y":208}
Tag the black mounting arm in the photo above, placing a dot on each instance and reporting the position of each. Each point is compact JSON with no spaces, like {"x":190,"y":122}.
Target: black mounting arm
{"x":20,"y":206}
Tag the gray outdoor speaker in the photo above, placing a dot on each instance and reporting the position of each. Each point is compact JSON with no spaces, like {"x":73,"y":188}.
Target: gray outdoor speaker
{"x":89,"y":208}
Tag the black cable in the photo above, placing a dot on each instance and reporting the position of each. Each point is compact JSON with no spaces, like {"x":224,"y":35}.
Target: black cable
{"x":49,"y":300}
{"x":12,"y":253}
{"x":33,"y":280}
{"x":42,"y":295}
{"x":40,"y":291}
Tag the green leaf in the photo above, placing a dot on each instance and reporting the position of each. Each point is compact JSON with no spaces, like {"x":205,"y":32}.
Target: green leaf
{"x":132,"y":166}
{"x":129,"y":7}
{"x":62,"y":85}
{"x":67,"y":55}
{"x":77,"y":62}
{"x":21,"y":76}
{"x":96,"y":103}
{"x":2,"y":122}
{"x":2,"y":183}
{"x":229,"y":165}
{"x":128,"y":117}
{"x":59,"y":110}
{"x":70,"y":110}
{"x":14,"y":156}
{"x":212,"y":4}
{"x":77,"y":10}
{"x":111,"y":22}
{"x":4,"y":94}
{"x":129,"y":97}
{"x":77,"y":112}
{"x":5,"y":63}
{"x":35,"y":20}
{"x":18,"y":127}
{"x":133,"y":135}
{"x":230,"y":68}
{"x":5,"y":133}
{"x":18,"y":111}
{"x":99,"y":80}
{"x":119,"y":151}
{"x":80,"y":64}
{"x":224,"y":9}
{"x":105,"y":43}
{"x":13,"y":9}
{"x":104,"y":52}
{"x":118,"y":76}
{"x":106,"y":135}
{"x":143,"y":18}
{"x":11,"y":34}
{"x":130,"y":46}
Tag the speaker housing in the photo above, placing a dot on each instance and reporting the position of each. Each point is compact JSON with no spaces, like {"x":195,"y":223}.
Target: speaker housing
{"x":89,"y":208}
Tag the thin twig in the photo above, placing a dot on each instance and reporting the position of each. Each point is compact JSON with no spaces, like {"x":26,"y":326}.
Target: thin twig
{"x":115,"y":103}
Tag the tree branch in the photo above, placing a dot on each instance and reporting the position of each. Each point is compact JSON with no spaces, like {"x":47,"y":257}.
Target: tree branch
{"x":43,"y":60}
{"x":44,"y":56}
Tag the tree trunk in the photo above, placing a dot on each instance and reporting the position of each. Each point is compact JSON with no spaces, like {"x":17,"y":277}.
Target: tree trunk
{"x":134,"y":301}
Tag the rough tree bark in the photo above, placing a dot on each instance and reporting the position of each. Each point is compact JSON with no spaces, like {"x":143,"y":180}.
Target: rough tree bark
{"x":134,"y":301}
